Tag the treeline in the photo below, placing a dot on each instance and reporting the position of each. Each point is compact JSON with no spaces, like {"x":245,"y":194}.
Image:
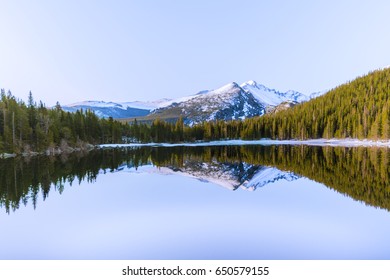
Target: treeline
{"x":160,"y":131}
{"x":34,"y":127}
{"x":358,"y":109}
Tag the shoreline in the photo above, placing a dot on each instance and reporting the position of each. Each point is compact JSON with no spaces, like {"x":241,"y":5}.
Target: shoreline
{"x":322,"y":142}
{"x":51,"y":151}
{"x":265,"y":142}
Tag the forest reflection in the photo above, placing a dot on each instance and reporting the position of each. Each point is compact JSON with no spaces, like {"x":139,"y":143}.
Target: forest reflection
{"x":359,"y":172}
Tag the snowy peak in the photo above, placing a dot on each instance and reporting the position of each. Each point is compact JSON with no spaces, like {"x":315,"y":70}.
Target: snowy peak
{"x":227,"y":91}
{"x":271,"y":97}
{"x":251,"y":83}
{"x":227,"y":88}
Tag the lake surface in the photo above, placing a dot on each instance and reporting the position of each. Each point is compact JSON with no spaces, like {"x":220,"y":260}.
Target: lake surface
{"x":220,"y":202}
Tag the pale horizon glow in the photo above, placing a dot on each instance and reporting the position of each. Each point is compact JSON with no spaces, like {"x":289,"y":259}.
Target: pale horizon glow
{"x":122,"y":51}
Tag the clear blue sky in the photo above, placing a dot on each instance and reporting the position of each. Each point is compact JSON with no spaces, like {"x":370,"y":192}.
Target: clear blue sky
{"x":77,"y":50}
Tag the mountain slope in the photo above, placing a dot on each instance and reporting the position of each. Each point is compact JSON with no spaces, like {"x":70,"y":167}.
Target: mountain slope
{"x":271,"y":97}
{"x":357,"y":109}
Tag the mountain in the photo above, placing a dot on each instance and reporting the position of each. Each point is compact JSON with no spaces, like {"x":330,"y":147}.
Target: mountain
{"x":106,"y":109}
{"x":117,"y":110}
{"x":229,"y":102}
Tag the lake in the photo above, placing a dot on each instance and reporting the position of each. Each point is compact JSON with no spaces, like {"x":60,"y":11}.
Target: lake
{"x":198,"y":202}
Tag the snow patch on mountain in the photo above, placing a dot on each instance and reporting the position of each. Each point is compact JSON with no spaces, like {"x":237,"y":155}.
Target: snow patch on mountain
{"x":271,"y":97}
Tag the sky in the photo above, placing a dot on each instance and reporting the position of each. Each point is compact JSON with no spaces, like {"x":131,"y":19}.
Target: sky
{"x":77,"y":50}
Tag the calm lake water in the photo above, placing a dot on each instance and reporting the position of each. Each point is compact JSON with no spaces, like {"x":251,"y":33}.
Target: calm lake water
{"x":222,"y":202}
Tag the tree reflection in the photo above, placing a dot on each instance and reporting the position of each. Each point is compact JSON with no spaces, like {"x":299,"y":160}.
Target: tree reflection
{"x":359,"y":172}
{"x":22,"y":179}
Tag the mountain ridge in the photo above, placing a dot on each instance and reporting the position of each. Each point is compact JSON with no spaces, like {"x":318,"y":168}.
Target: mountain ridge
{"x":229,"y":102}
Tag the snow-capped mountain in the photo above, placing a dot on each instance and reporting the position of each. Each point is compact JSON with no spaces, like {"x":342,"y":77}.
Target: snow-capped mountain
{"x":229,"y":102}
{"x":117,"y":110}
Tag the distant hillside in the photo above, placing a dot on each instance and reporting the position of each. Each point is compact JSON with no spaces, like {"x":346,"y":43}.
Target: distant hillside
{"x":106,"y":112}
{"x":114,"y":109}
{"x":357,"y":109}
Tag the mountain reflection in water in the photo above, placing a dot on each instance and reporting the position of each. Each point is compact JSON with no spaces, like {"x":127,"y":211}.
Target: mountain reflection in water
{"x":358,"y":172}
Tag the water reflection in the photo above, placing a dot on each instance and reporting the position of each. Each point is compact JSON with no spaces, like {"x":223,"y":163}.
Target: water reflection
{"x":359,"y":172}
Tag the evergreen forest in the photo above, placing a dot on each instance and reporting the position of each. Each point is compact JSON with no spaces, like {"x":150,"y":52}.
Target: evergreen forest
{"x":32,"y":127}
